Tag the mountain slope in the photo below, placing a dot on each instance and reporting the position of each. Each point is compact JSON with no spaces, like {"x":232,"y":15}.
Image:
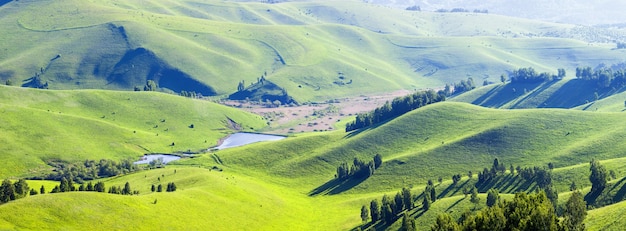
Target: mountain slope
{"x":305,"y":47}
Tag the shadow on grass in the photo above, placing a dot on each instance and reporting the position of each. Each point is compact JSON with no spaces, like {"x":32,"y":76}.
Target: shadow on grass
{"x":619,"y":195}
{"x":336,"y":186}
{"x":4,"y":2}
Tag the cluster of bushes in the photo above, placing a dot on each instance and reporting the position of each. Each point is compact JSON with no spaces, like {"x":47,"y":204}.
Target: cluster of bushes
{"x":13,"y":191}
{"x":460,"y":87}
{"x":358,"y":168}
{"x":524,"y":212}
{"x":397,"y":107}
{"x":88,"y":170}
{"x":529,"y":75}
{"x":603,"y":77}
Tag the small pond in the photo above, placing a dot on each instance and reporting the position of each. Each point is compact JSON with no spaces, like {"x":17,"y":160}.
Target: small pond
{"x":243,"y":138}
{"x":145,"y":159}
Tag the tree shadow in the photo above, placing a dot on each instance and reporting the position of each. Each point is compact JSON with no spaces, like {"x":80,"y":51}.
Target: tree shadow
{"x":454,"y":204}
{"x":619,"y":196}
{"x":336,"y":186}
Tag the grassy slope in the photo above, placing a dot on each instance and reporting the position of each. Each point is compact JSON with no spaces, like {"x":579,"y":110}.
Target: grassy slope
{"x":38,"y":125}
{"x":314,"y":40}
{"x":606,"y":218}
{"x":281,"y":178}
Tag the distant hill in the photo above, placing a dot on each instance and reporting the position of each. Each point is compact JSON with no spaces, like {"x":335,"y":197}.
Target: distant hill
{"x":308,"y":48}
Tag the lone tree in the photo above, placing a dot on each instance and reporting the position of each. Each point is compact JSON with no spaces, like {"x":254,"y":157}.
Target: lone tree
{"x":598,"y":177}
{"x":492,"y":197}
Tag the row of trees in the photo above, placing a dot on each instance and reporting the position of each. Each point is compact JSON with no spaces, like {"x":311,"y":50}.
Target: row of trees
{"x":89,"y":170}
{"x":359,"y":168}
{"x":524,"y":212}
{"x":171,"y":187}
{"x":389,"y":209}
{"x":397,"y":107}
{"x":529,"y":75}
{"x":603,"y":77}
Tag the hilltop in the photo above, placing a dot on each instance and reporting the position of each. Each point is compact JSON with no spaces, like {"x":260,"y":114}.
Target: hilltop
{"x":307,"y":48}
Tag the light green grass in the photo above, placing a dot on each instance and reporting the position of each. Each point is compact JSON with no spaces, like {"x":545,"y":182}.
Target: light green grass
{"x":40,"y":125}
{"x":606,"y":218}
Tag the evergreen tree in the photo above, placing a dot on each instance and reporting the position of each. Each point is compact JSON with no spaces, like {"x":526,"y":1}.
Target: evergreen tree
{"x":7,"y":191}
{"x":375,"y":211}
{"x":99,"y":187}
{"x":492,"y":197}
{"x":408,"y":224}
{"x":474,"y":197}
{"x":378,"y":161}
{"x":160,"y":188}
{"x":64,"y":187}
{"x":33,"y":192}
{"x":127,"y":190}
{"x":407,"y":198}
{"x":575,"y":212}
{"x":399,"y":203}
{"x":21,"y":188}
{"x":90,"y":186}
{"x":42,"y":190}
{"x":445,"y":223}
{"x":364,"y":213}
{"x":598,"y":177}
{"x":426,"y":202}
{"x":153,"y":188}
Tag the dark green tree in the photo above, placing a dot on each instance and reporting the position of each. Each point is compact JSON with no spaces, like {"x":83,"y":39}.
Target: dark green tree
{"x":426,"y":201}
{"x":378,"y":161}
{"x":99,"y":187}
{"x":64,"y":187}
{"x":33,"y":192}
{"x":160,"y":188}
{"x":127,"y":190}
{"x":365,"y":214}
{"x":21,"y":188}
{"x":399,"y":203}
{"x":150,"y":86}
{"x":492,"y":197}
{"x":153,"y":188}
{"x":474,"y":197}
{"x":408,"y":224}
{"x":375,"y":211}
{"x":575,"y":213}
{"x":7,"y":191}
{"x":90,"y":186}
{"x":42,"y":190}
{"x":598,"y":177}
{"x":445,"y":222}
{"x":407,"y":198}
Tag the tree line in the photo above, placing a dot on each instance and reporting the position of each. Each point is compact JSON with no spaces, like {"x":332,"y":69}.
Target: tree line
{"x":359,"y":168}
{"x":88,"y":170}
{"x":603,"y":77}
{"x":389,"y":209}
{"x":397,"y":107}
{"x":529,"y":75}
{"x":12,"y":191}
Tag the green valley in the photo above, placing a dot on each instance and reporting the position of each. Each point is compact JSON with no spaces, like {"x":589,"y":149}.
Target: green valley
{"x":495,"y":118}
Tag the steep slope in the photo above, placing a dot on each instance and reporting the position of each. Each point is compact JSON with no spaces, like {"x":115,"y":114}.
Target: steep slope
{"x":209,"y":46}
{"x":41,"y":125}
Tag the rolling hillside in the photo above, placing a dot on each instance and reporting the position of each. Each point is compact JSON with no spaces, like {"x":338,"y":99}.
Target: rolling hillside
{"x":304,"y":47}
{"x":41,"y":125}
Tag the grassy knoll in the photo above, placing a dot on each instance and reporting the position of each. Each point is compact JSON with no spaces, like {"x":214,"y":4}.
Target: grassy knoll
{"x":305,"y":47}
{"x":40,"y":125}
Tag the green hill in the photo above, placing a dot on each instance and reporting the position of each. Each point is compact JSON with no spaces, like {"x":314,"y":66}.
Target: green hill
{"x":288,"y":184}
{"x":41,"y":125}
{"x":307,"y":48}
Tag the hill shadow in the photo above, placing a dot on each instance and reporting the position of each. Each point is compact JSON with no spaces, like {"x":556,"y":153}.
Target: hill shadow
{"x":4,"y":2}
{"x":499,"y":96}
{"x":336,"y":186}
{"x":577,"y":92}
